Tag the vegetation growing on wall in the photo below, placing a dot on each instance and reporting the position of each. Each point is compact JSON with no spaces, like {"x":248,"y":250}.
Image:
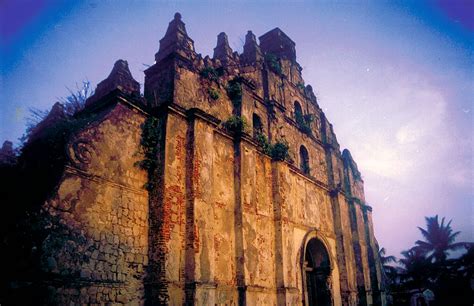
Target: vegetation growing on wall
{"x":234,"y":91}
{"x":211,"y":73}
{"x":300,"y":86}
{"x":273,"y":63}
{"x":304,"y":122}
{"x":213,"y":93}
{"x":263,"y":142}
{"x":280,"y":151}
{"x":149,"y":142}
{"x":236,"y":125}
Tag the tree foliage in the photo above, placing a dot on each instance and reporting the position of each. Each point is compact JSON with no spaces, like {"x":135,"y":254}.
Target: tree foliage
{"x":427,"y":265}
{"x":439,"y":239}
{"x":389,"y":271}
{"x":236,"y":124}
{"x":71,"y":105}
{"x":234,"y":91}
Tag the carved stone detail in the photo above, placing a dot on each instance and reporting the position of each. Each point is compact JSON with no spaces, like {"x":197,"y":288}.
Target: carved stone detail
{"x":80,"y":153}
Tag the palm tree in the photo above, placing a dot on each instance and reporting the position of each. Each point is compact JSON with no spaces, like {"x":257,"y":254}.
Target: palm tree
{"x":415,"y":267}
{"x":439,"y":239}
{"x":385,"y":260}
{"x":389,"y":272}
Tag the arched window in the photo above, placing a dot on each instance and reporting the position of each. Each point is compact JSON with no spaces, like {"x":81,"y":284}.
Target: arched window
{"x":257,"y":125}
{"x":304,"y":160}
{"x":298,"y":112}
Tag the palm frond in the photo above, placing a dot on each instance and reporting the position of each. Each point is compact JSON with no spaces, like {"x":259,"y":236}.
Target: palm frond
{"x":389,"y":259}
{"x":438,"y":239}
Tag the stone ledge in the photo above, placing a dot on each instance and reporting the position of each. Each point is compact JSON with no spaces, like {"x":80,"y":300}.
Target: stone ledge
{"x":315,"y":181}
{"x":75,"y":171}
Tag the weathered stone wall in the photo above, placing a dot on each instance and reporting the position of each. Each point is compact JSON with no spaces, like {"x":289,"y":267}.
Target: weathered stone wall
{"x":259,"y":202}
{"x":173,"y":215}
{"x":223,"y":223}
{"x":248,"y":209}
{"x":303,"y":207}
{"x":97,"y":249}
{"x":349,"y":259}
{"x":215,"y":208}
{"x":192,"y":91}
{"x":363,"y":252}
{"x":258,"y":226}
{"x":375,"y":264}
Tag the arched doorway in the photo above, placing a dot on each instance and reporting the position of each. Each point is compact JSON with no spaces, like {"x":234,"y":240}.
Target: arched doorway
{"x":317,"y":269}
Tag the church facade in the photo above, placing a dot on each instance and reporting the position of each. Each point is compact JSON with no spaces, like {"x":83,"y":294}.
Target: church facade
{"x":224,"y":184}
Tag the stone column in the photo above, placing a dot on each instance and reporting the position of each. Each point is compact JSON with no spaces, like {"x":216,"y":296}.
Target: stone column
{"x":335,"y":205}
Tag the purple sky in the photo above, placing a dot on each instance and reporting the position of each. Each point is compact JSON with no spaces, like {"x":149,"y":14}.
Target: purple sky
{"x":395,"y":79}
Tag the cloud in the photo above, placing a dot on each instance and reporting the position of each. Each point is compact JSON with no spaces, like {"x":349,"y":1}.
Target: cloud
{"x":462,"y":177}
{"x":428,"y":119}
{"x":382,"y":157}
{"x":413,"y":135}
{"x":407,"y":134}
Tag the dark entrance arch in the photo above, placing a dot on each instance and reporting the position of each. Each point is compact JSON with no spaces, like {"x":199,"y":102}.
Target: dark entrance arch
{"x":316,"y":268}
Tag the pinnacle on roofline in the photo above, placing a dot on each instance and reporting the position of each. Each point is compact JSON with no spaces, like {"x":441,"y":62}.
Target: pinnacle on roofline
{"x":119,"y":78}
{"x":252,"y":52}
{"x":176,"y":40}
{"x":223,"y":51}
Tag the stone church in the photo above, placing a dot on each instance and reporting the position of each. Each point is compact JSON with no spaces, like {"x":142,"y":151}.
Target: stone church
{"x":223,"y":184}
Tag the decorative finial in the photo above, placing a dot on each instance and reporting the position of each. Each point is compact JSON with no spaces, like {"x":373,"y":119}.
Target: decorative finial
{"x":222,"y":39}
{"x":252,"y":51}
{"x":223,"y":51}
{"x":176,"y":39}
{"x":250,"y":38}
{"x":122,"y":64}
{"x":119,"y":78}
